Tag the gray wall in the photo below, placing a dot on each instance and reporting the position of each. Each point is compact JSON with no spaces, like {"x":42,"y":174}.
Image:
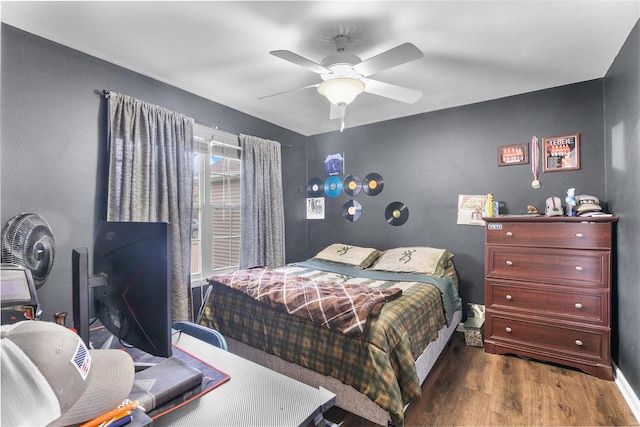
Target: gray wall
{"x":429,"y":159}
{"x":622,"y":154}
{"x":54,"y":136}
{"x":53,"y":148}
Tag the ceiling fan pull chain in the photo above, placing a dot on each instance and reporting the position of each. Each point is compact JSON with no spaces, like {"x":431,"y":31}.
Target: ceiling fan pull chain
{"x":343,"y":112}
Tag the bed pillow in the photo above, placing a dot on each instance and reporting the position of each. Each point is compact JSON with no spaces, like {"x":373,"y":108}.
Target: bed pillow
{"x":349,"y":255}
{"x":415,"y":259}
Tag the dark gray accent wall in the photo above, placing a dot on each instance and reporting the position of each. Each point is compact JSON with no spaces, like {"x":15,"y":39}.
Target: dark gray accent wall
{"x":428,"y":160}
{"x":622,"y":157}
{"x":53,"y":148}
{"x":53,"y":130}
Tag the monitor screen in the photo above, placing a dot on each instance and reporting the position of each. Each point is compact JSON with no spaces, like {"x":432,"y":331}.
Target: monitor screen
{"x":18,"y":294}
{"x":15,"y":286}
{"x":135,"y":304}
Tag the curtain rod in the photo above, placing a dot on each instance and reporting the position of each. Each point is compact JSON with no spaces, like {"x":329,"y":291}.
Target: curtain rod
{"x":107,"y":93}
{"x":214,"y":127}
{"x":220,"y":144}
{"x":232,"y":133}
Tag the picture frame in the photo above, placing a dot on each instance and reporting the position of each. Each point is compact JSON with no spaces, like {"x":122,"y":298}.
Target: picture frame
{"x":471,"y":208}
{"x":514,"y":154}
{"x":334,"y":164}
{"x":561,"y":153}
{"x":315,"y":208}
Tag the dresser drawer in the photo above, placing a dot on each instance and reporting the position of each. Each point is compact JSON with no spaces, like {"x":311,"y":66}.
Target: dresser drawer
{"x":553,"y":235}
{"x":562,"y":266}
{"x":576,"y":305}
{"x":548,"y":338}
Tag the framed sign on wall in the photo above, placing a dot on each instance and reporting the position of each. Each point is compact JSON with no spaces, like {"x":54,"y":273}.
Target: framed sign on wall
{"x":516,"y":154}
{"x":561,"y":153}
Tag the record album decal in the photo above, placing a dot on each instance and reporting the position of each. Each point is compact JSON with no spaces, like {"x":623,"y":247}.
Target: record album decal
{"x":333,"y":186}
{"x":397,"y":213}
{"x":352,"y":210}
{"x":352,"y":185}
{"x":314,"y":188}
{"x":334,"y":164}
{"x":373,"y":184}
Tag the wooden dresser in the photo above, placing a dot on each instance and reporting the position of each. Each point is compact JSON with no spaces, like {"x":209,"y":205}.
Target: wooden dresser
{"x":548,"y":289}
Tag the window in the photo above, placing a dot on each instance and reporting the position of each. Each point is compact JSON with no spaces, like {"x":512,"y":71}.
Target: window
{"x":215,"y":228}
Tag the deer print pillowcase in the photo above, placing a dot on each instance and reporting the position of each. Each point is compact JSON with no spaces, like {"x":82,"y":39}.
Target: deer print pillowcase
{"x":354,"y":256}
{"x":414,"y":259}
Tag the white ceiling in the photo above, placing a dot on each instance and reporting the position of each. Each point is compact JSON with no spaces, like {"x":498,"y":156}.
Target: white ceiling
{"x":473,"y":50}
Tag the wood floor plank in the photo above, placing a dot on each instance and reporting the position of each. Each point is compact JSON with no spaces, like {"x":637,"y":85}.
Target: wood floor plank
{"x":468,"y":387}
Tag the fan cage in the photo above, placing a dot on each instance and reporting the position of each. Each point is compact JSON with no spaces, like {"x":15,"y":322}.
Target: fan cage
{"x":27,"y":241}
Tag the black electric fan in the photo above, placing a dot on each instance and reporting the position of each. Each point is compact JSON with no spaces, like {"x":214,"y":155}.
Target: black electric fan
{"x":27,"y":241}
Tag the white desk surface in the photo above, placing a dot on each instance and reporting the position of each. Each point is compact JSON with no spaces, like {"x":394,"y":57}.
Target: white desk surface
{"x":254,"y":396}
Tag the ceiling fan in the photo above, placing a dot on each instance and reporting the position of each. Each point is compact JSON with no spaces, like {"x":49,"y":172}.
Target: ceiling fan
{"x":345,"y":76}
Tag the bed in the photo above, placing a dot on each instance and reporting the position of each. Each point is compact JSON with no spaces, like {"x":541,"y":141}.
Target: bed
{"x":374,"y":362}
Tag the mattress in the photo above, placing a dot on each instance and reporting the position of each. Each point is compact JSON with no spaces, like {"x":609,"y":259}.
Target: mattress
{"x":380,"y":364}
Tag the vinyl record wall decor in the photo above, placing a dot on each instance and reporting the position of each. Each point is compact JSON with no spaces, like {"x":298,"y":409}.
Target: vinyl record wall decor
{"x":373,"y":184}
{"x":333,"y":186}
{"x":352,"y":210}
{"x":352,"y":185}
{"x":315,"y":188}
{"x":397,"y":213}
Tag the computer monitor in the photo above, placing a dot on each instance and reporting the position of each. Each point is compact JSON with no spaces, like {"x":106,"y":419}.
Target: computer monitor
{"x":131,"y":285}
{"x":18,"y":294}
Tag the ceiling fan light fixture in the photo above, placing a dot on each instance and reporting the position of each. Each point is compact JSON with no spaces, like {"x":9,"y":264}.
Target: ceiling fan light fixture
{"x":341,"y":91}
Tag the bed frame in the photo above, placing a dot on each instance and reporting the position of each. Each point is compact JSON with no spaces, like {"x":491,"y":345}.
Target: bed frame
{"x":347,"y":397}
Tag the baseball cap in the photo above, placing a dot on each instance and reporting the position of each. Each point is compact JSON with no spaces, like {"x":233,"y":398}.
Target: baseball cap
{"x":49,"y":377}
{"x":585,"y":203}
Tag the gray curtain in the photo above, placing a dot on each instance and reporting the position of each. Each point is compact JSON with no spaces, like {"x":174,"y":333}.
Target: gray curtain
{"x":151,"y":180}
{"x":262,"y":205}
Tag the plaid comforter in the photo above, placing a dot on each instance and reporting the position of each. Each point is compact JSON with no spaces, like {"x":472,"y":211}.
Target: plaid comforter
{"x":379,"y":364}
{"x":328,"y":303}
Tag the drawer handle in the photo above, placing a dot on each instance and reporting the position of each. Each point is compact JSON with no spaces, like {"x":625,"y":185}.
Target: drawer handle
{"x":579,"y":235}
{"x":508,"y":297}
{"x":511,"y":263}
{"x":579,"y":268}
{"x":508,"y":329}
{"x":579,"y":343}
{"x":577,"y":305}
{"x":509,"y":234}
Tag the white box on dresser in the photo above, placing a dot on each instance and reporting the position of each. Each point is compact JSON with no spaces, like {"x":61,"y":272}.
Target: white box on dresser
{"x":548,"y":289}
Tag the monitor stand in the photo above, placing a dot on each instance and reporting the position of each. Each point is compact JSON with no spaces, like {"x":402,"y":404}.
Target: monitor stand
{"x":112,"y":342}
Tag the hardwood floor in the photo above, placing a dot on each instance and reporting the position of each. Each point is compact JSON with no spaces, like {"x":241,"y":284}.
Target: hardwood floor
{"x":479,"y":389}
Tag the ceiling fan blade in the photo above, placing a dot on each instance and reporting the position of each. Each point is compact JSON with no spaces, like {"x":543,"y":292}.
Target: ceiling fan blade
{"x":399,"y":93}
{"x":291,"y":90}
{"x":393,"y":57}
{"x":299,"y":60}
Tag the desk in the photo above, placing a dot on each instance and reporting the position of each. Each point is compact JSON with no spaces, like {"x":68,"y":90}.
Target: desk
{"x":254,"y":396}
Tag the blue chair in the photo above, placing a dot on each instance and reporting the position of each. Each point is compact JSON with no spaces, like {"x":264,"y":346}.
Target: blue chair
{"x":203,"y":333}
